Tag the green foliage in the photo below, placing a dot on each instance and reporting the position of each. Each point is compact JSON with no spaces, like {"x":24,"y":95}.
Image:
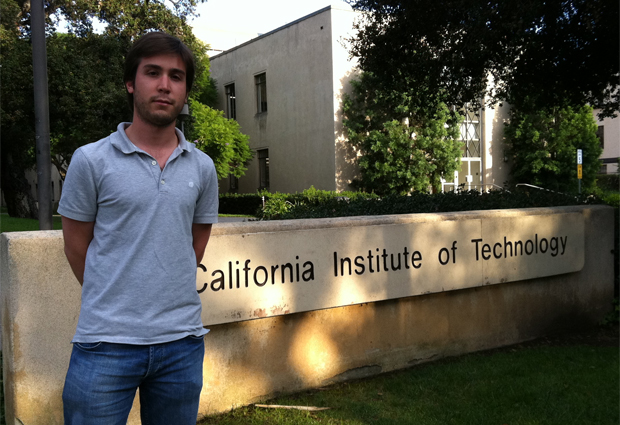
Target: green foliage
{"x":608,"y":182}
{"x":287,"y":205}
{"x":313,"y":203}
{"x":17,"y":100}
{"x":221,"y":139}
{"x":122,"y":18}
{"x":359,"y":203}
{"x":561,"y":51}
{"x":86,"y":92}
{"x":544,"y":146}
{"x":85,"y":78}
{"x":204,"y":90}
{"x":404,"y":146}
{"x":276,"y":207}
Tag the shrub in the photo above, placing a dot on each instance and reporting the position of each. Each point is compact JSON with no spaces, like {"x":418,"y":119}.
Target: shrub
{"x":358,"y":204}
{"x":608,"y":182}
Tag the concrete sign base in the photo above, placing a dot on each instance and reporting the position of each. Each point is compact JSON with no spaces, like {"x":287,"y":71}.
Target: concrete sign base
{"x":333,"y":299}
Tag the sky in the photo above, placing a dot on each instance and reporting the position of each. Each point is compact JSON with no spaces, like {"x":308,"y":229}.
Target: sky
{"x":227,"y":23}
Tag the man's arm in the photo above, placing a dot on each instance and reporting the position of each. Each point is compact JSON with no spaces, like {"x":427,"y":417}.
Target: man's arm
{"x":201,"y":233}
{"x":77,"y":235}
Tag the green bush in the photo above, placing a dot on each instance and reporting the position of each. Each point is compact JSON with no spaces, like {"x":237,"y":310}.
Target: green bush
{"x":608,"y":182}
{"x":543,"y":145}
{"x":356,"y":204}
{"x":314,"y":203}
{"x":290,"y":206}
{"x":277,"y":203}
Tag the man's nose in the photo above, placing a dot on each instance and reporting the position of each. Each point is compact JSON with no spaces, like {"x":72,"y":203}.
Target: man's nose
{"x":164,"y":84}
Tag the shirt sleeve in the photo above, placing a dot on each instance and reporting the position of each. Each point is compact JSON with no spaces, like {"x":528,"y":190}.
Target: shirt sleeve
{"x":79,"y":192}
{"x":208,"y":201}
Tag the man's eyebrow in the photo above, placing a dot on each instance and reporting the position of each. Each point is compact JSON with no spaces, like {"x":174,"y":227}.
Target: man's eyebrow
{"x":159,"y":68}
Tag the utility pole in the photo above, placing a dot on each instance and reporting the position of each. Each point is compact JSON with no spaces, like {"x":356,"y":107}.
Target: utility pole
{"x":41,"y":114}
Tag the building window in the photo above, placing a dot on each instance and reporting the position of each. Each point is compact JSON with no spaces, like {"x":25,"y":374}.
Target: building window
{"x":261,"y":92}
{"x":600,"y":133}
{"x":231,"y":102}
{"x":469,"y":177}
{"x":470,"y":132}
{"x":263,"y":168}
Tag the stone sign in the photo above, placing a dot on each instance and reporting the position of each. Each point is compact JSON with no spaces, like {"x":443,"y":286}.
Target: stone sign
{"x":254,"y":275}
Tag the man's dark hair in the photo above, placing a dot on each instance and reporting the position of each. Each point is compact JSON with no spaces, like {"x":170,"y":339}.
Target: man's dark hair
{"x":154,"y":44}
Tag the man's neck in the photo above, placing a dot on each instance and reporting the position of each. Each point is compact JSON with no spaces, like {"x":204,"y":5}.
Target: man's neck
{"x":149,"y":137}
{"x":159,"y":142}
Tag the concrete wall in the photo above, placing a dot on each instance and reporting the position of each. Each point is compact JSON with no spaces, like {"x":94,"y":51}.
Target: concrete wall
{"x":611,"y":150}
{"x":250,"y":360}
{"x":495,"y":160}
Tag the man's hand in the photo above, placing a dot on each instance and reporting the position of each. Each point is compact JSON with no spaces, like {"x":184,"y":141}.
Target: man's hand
{"x":77,"y":235}
{"x":201,"y":233}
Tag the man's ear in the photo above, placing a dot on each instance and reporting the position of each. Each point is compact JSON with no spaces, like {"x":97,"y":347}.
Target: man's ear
{"x":129,"y":86}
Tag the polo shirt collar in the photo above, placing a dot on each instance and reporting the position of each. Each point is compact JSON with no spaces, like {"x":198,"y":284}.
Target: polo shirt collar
{"x":121,"y":142}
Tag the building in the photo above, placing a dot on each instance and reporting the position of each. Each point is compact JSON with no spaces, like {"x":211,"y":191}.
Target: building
{"x":285,"y":89}
{"x":609,"y":135}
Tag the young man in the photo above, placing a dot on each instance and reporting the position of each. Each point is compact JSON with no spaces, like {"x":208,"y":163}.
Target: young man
{"x":137,"y":209}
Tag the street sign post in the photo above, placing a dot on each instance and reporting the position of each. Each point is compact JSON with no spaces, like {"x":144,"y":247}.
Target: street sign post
{"x":579,"y":167}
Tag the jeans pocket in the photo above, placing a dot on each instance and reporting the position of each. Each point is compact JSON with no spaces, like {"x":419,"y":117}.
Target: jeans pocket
{"x":87,"y":346}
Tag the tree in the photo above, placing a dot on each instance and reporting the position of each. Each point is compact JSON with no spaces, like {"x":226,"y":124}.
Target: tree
{"x":17,"y":124}
{"x":555,"y":52}
{"x":221,"y":139}
{"x":86,"y":92}
{"x":85,"y":76}
{"x":404,"y":145}
{"x":543,"y":145}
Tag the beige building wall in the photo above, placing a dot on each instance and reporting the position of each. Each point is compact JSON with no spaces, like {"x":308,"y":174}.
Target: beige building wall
{"x":611,"y":148}
{"x":495,"y":161}
{"x":299,"y":124}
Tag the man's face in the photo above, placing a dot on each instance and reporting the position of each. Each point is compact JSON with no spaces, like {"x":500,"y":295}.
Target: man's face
{"x":159,"y":90}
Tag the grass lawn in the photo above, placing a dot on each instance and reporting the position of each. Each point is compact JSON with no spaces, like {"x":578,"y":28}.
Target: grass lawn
{"x":527,"y":384}
{"x":11,"y":224}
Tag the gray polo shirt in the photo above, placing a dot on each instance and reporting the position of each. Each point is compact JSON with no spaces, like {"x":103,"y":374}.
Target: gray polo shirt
{"x":140,"y":276}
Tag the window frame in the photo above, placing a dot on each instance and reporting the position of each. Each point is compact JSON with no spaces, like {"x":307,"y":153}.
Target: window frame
{"x":263,"y":168}
{"x":260,"y":81}
{"x":231,"y":101}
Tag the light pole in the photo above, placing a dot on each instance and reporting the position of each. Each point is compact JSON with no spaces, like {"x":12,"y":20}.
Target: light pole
{"x":41,"y":115}
{"x":184,"y":115}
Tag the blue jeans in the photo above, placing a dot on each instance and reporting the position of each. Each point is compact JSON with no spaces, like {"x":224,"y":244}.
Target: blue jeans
{"x":103,"y":377}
